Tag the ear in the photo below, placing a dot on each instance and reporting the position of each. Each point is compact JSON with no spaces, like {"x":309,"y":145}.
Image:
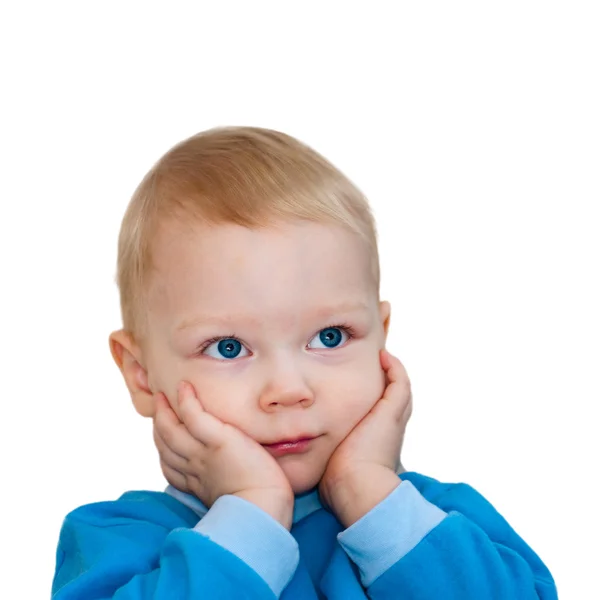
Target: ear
{"x":385,"y":310}
{"x":127,"y":354}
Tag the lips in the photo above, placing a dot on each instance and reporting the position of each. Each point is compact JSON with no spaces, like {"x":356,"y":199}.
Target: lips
{"x":295,"y":440}
{"x":291,"y":446}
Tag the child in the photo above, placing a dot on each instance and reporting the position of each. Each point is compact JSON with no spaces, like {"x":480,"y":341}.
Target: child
{"x":254,"y":338}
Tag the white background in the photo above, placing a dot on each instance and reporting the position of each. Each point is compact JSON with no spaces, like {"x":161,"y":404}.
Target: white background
{"x":474,"y":129}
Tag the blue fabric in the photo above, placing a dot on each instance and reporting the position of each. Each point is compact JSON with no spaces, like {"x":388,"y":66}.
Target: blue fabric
{"x":187,"y":500}
{"x":144,"y":545}
{"x":255,"y":537}
{"x":304,"y":505}
{"x":389,"y":531}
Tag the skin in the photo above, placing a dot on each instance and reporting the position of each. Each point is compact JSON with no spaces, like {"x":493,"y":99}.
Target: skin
{"x":273,"y":289}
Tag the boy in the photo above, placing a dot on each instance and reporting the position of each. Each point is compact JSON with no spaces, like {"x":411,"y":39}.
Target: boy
{"x":253,"y":336}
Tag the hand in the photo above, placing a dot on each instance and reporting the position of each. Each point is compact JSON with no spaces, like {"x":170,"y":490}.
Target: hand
{"x":362,"y":471}
{"x":200,"y":454}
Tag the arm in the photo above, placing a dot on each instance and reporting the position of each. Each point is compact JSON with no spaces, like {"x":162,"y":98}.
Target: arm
{"x":139,"y":548}
{"x":456,"y":546}
{"x":437,"y":541}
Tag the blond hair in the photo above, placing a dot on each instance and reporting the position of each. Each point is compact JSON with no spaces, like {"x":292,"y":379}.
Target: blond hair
{"x":244,"y":175}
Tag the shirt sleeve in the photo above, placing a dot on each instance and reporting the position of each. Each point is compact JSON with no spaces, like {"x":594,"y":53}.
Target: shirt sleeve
{"x":443,"y":541}
{"x":144,"y":546}
{"x":389,"y":531}
{"x":254,"y":537}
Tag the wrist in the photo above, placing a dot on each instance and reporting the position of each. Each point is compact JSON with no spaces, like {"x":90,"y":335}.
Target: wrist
{"x":355,"y":494}
{"x":278,"y":504}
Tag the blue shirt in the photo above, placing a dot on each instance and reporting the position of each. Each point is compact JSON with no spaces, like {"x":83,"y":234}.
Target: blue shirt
{"x":424,"y":540}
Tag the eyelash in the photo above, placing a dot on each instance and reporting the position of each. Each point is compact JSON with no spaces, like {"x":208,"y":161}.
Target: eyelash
{"x":214,"y":340}
{"x":348,"y":329}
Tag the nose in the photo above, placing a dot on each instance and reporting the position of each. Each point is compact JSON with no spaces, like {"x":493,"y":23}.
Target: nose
{"x":285,"y":387}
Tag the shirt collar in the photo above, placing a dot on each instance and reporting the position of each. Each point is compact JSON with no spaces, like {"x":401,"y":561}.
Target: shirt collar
{"x":304,"y":504}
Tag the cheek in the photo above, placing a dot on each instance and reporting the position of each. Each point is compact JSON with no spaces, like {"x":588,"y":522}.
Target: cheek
{"x":225,"y":398}
{"x":222,"y":397}
{"x":356,"y":396}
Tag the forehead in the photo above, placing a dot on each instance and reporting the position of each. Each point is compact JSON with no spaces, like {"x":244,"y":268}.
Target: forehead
{"x":278,"y":271}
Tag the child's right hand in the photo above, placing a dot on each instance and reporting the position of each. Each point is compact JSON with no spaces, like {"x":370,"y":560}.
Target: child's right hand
{"x":200,"y":454}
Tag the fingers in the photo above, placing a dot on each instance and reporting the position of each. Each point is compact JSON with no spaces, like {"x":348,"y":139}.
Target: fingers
{"x":174,"y":477}
{"x":203,"y":426}
{"x":170,"y":432}
{"x":168,"y":455}
{"x":192,"y":425}
{"x":398,"y":391}
{"x":392,"y":367}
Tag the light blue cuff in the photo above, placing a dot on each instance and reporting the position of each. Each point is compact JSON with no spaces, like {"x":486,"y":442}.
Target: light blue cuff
{"x":253,"y":536}
{"x":389,"y":531}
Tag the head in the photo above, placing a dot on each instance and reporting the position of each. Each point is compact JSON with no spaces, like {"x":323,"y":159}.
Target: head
{"x":248,"y":266}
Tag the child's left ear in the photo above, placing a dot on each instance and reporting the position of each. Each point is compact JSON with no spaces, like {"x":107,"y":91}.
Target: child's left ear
{"x":385,"y":310}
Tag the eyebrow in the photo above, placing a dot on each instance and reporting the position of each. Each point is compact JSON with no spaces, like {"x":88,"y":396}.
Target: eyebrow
{"x":320,"y":313}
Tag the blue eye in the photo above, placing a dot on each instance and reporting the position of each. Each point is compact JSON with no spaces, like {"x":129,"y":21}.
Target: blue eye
{"x":225,"y":348}
{"x":331,"y":337}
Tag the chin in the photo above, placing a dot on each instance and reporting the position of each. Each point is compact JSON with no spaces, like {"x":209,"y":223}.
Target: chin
{"x":303,"y":487}
{"x":302,"y":479}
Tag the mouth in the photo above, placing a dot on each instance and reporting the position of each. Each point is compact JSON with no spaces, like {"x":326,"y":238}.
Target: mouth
{"x":293,"y":446}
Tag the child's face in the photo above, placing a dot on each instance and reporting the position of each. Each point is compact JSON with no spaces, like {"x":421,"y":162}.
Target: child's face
{"x":274,"y":291}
